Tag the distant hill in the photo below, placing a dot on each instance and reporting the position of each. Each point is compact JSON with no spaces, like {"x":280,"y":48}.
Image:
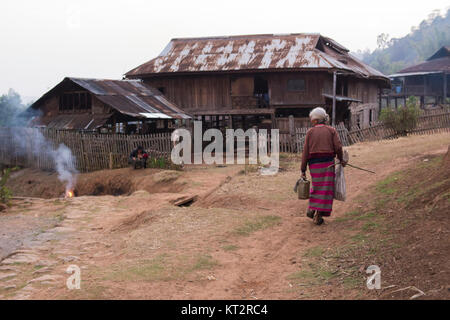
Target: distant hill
{"x":395,"y":54}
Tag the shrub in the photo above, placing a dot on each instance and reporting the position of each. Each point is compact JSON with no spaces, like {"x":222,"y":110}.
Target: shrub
{"x":162,"y":163}
{"x":403,"y":119}
{"x":5,"y":193}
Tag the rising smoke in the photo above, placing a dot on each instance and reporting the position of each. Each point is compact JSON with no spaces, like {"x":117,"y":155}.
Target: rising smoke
{"x":32,"y":140}
{"x":65,"y":166}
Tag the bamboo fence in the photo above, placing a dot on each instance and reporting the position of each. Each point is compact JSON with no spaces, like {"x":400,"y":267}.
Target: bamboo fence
{"x":92,"y":151}
{"x":19,"y":147}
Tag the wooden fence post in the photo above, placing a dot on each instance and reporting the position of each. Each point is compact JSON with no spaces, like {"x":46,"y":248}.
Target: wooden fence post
{"x":111,"y":163}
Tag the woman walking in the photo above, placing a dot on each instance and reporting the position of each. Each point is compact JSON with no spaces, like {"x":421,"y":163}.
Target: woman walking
{"x":321,"y":146}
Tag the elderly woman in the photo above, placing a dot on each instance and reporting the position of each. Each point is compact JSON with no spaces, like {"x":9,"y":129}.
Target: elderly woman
{"x":321,"y":146}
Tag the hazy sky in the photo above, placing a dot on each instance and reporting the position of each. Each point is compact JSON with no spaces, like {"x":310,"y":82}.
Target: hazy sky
{"x":44,"y":41}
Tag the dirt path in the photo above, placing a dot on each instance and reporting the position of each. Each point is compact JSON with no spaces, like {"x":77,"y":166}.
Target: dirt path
{"x":245,"y":240}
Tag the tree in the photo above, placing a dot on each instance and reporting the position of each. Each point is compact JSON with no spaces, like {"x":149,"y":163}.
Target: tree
{"x":5,"y":193}
{"x":403,"y":119}
{"x":393,"y":55}
{"x":10,"y":107}
{"x":383,"y":41}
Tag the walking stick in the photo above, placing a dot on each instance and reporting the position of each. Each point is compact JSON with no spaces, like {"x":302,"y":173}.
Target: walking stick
{"x":350,"y":165}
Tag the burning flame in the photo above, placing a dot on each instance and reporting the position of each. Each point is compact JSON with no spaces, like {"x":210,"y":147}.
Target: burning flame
{"x":69,"y":194}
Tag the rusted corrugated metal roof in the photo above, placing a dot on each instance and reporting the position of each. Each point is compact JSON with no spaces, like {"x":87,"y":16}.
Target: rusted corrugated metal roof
{"x":253,"y":52}
{"x":87,"y":122}
{"x":130,"y":97}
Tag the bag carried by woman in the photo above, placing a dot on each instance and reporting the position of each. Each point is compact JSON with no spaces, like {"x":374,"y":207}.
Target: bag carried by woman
{"x":340,"y":191}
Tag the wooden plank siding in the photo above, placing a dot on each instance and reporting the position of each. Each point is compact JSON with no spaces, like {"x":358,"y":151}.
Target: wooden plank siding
{"x":312,"y":94}
{"x":214,"y":92}
{"x":196,"y":92}
{"x":233,"y":93}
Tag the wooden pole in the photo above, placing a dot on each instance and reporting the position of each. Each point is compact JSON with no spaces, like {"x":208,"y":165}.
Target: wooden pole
{"x":291,"y":125}
{"x":445,"y":88}
{"x":334,"y":100}
{"x":230,"y":122}
{"x":291,"y":131}
{"x":274,"y":121}
{"x":111,"y":162}
{"x":424,"y":89}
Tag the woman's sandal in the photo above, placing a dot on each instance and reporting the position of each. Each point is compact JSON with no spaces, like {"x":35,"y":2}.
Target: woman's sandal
{"x":310,"y":213}
{"x":317,"y":218}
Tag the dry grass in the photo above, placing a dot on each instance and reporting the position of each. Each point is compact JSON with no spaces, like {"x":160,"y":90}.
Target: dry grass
{"x":166,"y":176}
{"x":370,"y":153}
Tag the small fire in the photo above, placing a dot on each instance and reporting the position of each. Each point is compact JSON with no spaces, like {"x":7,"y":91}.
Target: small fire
{"x":69,"y":194}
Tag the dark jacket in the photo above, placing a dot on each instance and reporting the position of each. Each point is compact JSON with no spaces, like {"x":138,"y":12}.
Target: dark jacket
{"x":134,"y":153}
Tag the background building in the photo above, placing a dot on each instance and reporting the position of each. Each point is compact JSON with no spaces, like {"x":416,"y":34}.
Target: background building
{"x":107,"y":106}
{"x":259,"y":80}
{"x":428,"y":81}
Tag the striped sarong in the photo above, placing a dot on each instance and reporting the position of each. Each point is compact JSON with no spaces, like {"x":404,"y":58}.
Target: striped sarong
{"x":322,"y":186}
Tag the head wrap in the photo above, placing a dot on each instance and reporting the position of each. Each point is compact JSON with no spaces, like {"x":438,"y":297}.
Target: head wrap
{"x":319,"y":114}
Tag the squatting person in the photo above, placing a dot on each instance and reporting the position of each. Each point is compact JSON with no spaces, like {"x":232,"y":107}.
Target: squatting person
{"x":138,"y":158}
{"x":321,"y":146}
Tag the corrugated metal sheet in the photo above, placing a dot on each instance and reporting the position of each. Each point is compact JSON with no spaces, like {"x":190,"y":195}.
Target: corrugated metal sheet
{"x":253,"y":52}
{"x":407,"y":74}
{"x":87,"y":122}
{"x":132,"y":97}
{"x":437,"y":63}
{"x":432,"y":66}
{"x":340,"y":98}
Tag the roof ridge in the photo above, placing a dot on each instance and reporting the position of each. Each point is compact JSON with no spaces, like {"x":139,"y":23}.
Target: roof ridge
{"x":102,"y":79}
{"x":246,"y":36}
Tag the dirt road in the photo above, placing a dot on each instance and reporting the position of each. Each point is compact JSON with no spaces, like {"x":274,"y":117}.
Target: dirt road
{"x":245,"y":238}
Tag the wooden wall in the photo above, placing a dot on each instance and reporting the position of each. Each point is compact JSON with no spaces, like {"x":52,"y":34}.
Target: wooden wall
{"x":312,"y":95}
{"x":192,"y":93}
{"x":50,"y":107}
{"x":216,"y":92}
{"x":364,"y":90}
{"x":196,"y":93}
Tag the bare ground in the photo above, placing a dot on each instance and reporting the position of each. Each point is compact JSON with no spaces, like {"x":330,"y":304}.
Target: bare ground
{"x":245,"y":238}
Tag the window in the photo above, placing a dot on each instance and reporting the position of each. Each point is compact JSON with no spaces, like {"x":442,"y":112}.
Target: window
{"x":430,"y":100}
{"x":296,"y":85}
{"x":120,"y":128}
{"x":261,"y":92}
{"x":75,"y":101}
{"x":85,"y":101}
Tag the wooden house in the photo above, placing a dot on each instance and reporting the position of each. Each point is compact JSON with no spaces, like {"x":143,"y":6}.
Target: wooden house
{"x":428,"y":81}
{"x":261,"y":80}
{"x":106,"y":106}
